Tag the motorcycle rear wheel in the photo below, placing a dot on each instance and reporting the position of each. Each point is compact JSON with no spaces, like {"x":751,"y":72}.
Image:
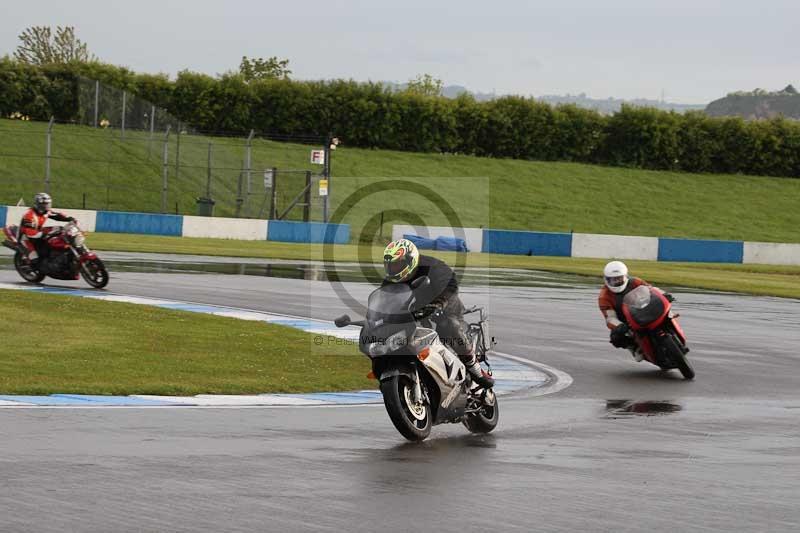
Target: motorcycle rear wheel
{"x":676,"y":354}
{"x":485,"y":420}
{"x":25,"y":271}
{"x":94,"y":273}
{"x":411,"y":420}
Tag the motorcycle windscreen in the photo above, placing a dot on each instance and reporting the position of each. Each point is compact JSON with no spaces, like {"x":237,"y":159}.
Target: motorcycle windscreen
{"x":644,"y":305}
{"x":389,"y":304}
{"x":389,"y":324}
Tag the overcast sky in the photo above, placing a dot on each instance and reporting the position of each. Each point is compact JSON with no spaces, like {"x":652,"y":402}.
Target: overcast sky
{"x":695,"y":51}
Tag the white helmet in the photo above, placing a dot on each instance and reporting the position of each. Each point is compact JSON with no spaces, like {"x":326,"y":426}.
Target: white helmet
{"x":615,"y":274}
{"x":42,"y":203}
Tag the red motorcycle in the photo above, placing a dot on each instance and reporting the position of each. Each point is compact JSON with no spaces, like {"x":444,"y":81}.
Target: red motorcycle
{"x":656,"y":329}
{"x":67,"y":257}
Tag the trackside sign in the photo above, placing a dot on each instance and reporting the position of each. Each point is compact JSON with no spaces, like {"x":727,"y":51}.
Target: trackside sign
{"x":318,"y":157}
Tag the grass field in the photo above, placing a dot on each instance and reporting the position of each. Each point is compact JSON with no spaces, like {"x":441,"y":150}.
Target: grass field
{"x":98,"y":347}
{"x":500,"y":193}
{"x":750,"y":279}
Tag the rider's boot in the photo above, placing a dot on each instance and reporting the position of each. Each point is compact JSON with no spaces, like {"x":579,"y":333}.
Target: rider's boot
{"x":636,"y":353}
{"x":479,"y":375}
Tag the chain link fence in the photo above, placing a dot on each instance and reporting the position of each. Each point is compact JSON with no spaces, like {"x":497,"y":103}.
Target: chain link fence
{"x":125,"y":154}
{"x":102,"y":105}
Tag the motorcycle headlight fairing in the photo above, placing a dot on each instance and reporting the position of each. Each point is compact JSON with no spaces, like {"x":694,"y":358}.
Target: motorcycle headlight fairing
{"x":392,"y":344}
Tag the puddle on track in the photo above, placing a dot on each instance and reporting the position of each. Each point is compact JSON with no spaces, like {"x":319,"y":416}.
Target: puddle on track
{"x":629,"y":408}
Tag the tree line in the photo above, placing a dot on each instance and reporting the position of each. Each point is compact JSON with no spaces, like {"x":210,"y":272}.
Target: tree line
{"x":370,"y":115}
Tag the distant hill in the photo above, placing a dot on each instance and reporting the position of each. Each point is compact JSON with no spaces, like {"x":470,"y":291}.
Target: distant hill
{"x":448,"y":91}
{"x":612,"y":105}
{"x":606,"y":106}
{"x":757,"y":104}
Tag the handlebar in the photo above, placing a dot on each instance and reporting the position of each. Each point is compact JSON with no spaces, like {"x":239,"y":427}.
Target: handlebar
{"x":419,"y":314}
{"x":344,"y":321}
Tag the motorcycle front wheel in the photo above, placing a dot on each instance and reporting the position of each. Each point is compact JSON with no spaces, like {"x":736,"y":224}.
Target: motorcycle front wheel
{"x":25,"y":270}
{"x":676,"y":354}
{"x":94,"y":273}
{"x":411,"y":419}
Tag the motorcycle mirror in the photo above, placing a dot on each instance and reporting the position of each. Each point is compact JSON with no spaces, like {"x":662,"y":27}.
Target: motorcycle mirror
{"x":420,"y":282}
{"x":342,"y":321}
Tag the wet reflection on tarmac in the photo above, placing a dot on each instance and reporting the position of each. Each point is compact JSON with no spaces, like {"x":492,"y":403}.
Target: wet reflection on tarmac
{"x":626,"y":408}
{"x":317,"y":271}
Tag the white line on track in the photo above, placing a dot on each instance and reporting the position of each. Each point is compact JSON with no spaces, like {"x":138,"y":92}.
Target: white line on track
{"x":559,"y":381}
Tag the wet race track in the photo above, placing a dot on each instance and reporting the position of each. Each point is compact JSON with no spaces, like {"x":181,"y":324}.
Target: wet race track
{"x":625,"y":448}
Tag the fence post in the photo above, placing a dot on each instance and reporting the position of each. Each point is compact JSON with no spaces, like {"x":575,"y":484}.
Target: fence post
{"x":248,"y":165}
{"x":165,"y":172}
{"x":326,"y":172}
{"x":249,"y":160}
{"x":307,"y":198}
{"x":124,"y":98}
{"x":178,"y":153}
{"x":272,"y":202}
{"x":152,"y":129}
{"x":208,"y":173}
{"x":96,"y":101}
{"x":48,"y":153}
{"x":109,"y":158}
{"x":239,"y":192}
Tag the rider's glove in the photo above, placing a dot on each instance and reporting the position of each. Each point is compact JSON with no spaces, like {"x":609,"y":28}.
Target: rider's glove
{"x":619,"y":336}
{"x":621,"y":329}
{"x":670,"y":298}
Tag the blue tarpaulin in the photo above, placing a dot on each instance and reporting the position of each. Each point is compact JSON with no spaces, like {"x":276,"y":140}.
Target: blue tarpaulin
{"x":421,"y":242}
{"x":446,"y":244}
{"x":451,"y":244}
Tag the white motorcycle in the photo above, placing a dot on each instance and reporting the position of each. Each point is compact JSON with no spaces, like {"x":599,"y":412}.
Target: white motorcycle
{"x":422,"y":380}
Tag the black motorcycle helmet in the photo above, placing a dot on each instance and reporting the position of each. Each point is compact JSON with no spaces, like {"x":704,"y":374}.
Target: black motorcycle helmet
{"x":42,"y":203}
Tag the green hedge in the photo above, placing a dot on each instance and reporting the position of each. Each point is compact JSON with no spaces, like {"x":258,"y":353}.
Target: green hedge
{"x":368,"y":115}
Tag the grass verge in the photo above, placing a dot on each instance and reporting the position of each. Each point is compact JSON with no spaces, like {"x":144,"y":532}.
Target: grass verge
{"x":102,"y":170}
{"x":96,"y":347}
{"x":767,"y":280}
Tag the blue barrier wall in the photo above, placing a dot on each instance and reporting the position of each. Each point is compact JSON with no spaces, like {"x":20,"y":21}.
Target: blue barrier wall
{"x":493,"y":241}
{"x":527,"y":243}
{"x":700,"y":251}
{"x":318,"y":232}
{"x":3,"y":214}
{"x":143,"y":223}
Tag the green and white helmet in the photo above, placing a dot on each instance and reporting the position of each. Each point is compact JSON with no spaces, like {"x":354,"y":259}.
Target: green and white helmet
{"x":400,"y":260}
